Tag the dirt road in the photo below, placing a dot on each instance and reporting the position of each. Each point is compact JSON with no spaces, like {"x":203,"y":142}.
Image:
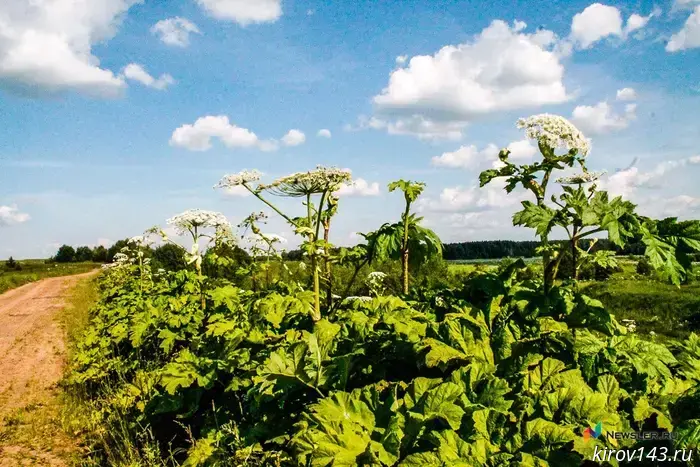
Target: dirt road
{"x":32,"y":358}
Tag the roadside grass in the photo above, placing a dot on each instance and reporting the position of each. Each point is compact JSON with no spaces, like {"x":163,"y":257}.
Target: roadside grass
{"x":663,"y":309}
{"x":37,"y":269}
{"x":40,"y":432}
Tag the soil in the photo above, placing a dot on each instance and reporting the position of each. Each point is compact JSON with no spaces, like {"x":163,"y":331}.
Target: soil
{"x":32,"y":360}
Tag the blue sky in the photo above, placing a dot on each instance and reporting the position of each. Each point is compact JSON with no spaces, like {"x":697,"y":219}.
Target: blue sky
{"x":92,"y":93}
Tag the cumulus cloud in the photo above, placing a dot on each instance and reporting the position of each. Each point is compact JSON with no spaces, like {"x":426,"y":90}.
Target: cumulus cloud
{"x":175,"y":31}
{"x":401,"y":59}
{"x":466,"y":157}
{"x":502,"y":68}
{"x":46,"y":46}
{"x":471,"y":157}
{"x":136,"y":72}
{"x":522,"y":151}
{"x":324,"y":133}
{"x":243,"y":12}
{"x":10,"y":215}
{"x":198,"y":136}
{"x":594,"y":23}
{"x":626,"y":182}
{"x":294,"y":138}
{"x":598,"y":21}
{"x":689,"y":36}
{"x":470,"y":199}
{"x":601,"y":118}
{"x":626,"y":94}
{"x":359,"y":187}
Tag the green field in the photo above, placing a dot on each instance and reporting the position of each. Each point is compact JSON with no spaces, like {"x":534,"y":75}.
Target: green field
{"x":36,"y":269}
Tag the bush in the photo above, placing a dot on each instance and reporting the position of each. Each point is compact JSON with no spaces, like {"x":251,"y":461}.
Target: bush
{"x":169,"y":257}
{"x":65,"y":254}
{"x":99,"y":254}
{"x":644,"y":267}
{"x":13,"y":265}
{"x":83,"y":254}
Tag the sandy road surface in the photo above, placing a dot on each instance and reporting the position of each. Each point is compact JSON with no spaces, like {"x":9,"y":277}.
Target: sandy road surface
{"x":32,"y":354}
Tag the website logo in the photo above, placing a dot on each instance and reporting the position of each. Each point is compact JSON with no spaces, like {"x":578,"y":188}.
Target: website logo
{"x":589,"y":432}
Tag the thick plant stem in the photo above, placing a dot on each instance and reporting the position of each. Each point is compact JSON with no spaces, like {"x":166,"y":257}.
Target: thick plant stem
{"x":327,"y":265}
{"x":404,"y":252}
{"x":314,"y":265}
{"x":574,"y":254}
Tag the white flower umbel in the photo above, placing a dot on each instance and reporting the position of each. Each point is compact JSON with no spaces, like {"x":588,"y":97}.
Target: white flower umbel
{"x":581,"y":178}
{"x":375,"y":283}
{"x":555,"y":132}
{"x":241,"y":178}
{"x":320,"y":180}
{"x":195,"y":219}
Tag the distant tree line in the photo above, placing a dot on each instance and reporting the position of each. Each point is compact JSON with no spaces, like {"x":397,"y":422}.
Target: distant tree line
{"x":496,"y":249}
{"x":167,"y":256}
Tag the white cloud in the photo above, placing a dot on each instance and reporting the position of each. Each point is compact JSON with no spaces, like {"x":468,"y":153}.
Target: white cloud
{"x":466,"y":157}
{"x":415,"y":125}
{"x":359,"y":187}
{"x":626,"y":182}
{"x":10,"y":215}
{"x":324,"y":133}
{"x":636,"y":22}
{"x":198,"y":136}
{"x":522,"y":150}
{"x":470,"y":199}
{"x":244,"y":12}
{"x":294,"y":138}
{"x":46,"y":46}
{"x":689,"y":36}
{"x":601,"y":118}
{"x":136,"y":72}
{"x":401,"y":59}
{"x":598,"y":21}
{"x":626,"y":94}
{"x":682,"y":204}
{"x":502,"y":68}
{"x":175,"y":31}
{"x":594,"y":23}
{"x":470,"y":157}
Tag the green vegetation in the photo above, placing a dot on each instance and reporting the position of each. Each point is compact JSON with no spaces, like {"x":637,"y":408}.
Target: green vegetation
{"x":239,"y":360}
{"x":26,"y":271}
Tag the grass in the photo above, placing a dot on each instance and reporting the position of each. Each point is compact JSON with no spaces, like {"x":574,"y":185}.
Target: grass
{"x":662,"y":308}
{"x":42,"y":432}
{"x":37,"y":269}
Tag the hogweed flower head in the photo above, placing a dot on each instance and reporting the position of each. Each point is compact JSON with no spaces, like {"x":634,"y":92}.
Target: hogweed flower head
{"x":322,"y":179}
{"x":578,"y":179}
{"x":196,"y":218}
{"x":554,"y":131}
{"x":241,"y":178}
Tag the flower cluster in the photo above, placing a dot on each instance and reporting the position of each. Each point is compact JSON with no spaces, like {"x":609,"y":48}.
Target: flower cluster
{"x":375,"y":283}
{"x":241,"y":178}
{"x":630,"y":324}
{"x":196,"y":218}
{"x":583,"y":177}
{"x":554,"y":131}
{"x":320,"y":180}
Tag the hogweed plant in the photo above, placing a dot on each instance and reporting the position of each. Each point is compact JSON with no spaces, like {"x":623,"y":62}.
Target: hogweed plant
{"x":316,"y":188}
{"x":198,"y":224}
{"x":582,"y":210}
{"x":405,"y":240}
{"x":552,"y":133}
